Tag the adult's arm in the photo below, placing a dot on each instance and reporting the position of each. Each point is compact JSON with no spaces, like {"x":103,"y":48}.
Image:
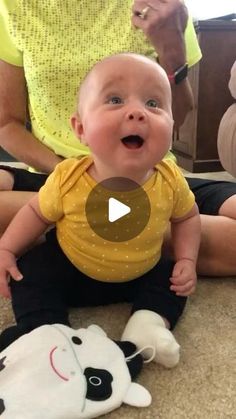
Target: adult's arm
{"x":14,"y":137}
{"x":164,"y":25}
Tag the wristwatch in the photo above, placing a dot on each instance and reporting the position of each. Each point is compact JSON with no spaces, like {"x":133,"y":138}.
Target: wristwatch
{"x":179,"y":74}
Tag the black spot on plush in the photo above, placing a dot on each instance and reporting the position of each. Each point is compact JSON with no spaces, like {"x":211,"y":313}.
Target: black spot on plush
{"x":2,"y":406}
{"x":2,"y":366}
{"x":135,"y":362}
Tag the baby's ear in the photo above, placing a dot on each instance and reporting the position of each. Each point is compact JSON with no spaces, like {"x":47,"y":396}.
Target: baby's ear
{"x":77,"y":126}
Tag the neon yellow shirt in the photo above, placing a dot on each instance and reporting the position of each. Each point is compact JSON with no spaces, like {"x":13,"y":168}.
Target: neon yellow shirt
{"x":57,"y":42}
{"x":63,"y":198}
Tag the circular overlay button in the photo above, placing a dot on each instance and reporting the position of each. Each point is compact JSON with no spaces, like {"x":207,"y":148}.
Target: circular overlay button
{"x":117,"y":209}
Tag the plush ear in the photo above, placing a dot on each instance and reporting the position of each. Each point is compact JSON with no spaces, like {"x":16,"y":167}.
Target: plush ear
{"x":138,"y":396}
{"x":97,"y":329}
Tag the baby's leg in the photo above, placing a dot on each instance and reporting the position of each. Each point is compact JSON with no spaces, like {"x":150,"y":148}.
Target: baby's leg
{"x":155,"y":309}
{"x":17,"y":186}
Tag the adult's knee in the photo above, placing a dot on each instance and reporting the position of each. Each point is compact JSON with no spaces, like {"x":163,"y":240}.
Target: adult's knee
{"x":6,"y":214}
{"x":228,"y":208}
{"x":218,"y":243}
{"x":10,"y":203}
{"x":6,"y":180}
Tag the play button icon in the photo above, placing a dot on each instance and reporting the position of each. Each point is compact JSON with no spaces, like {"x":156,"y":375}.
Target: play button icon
{"x":117,"y":209}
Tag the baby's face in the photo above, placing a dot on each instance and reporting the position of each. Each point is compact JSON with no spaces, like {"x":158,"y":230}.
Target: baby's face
{"x":126,"y":117}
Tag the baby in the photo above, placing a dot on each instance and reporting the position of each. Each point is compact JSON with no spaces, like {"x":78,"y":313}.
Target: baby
{"x":124,"y":116}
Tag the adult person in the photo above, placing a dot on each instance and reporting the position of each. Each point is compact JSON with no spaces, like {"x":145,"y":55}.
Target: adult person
{"x":124,"y":115}
{"x":47,"y":48}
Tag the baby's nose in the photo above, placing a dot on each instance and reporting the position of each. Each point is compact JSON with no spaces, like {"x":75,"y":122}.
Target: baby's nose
{"x":136,"y":115}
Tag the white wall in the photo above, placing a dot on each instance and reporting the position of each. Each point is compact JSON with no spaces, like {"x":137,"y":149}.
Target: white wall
{"x":205,"y":9}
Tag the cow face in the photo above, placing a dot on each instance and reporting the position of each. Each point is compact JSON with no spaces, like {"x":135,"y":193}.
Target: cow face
{"x":66,"y":373}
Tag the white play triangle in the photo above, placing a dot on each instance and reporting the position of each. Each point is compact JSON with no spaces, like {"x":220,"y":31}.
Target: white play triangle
{"x":116,"y":209}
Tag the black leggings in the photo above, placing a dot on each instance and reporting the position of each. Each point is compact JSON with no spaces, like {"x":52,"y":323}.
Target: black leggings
{"x":51,"y":285}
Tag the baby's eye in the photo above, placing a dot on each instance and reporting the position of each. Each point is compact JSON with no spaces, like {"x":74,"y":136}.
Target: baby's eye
{"x":115,"y":100}
{"x":152,"y":103}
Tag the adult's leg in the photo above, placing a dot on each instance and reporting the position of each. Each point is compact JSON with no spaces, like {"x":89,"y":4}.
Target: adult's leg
{"x":217,"y":204}
{"x":17,"y":186}
{"x":217,"y":253}
{"x":6,"y":179}
{"x":10,"y":203}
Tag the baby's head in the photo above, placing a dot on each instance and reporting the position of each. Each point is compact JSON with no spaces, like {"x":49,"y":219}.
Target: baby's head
{"x":124,"y":112}
{"x":119,"y":63}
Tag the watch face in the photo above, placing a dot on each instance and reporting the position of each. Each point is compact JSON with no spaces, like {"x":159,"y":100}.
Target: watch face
{"x":181,"y":73}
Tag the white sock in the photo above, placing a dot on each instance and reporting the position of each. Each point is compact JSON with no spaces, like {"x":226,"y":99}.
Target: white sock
{"x":147,"y":328}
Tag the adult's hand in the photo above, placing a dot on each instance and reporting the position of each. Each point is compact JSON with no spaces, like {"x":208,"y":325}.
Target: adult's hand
{"x":161,"y":21}
{"x":164,"y":22}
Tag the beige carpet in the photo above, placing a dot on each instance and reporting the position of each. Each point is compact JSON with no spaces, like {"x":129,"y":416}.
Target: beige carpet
{"x":203,"y":385}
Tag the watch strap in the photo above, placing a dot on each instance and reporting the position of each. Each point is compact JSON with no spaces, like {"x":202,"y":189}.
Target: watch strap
{"x":179,"y":74}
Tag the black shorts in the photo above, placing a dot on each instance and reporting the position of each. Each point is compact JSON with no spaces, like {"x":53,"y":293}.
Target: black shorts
{"x":25,"y":180}
{"x":209,"y":194}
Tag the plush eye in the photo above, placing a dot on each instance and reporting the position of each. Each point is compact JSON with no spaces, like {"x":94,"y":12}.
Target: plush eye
{"x":76,"y":340}
{"x":98,"y":384}
{"x":115,"y":100}
{"x":152,"y":103}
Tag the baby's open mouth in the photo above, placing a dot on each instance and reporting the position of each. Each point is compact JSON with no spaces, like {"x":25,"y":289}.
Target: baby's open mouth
{"x":132,"y":141}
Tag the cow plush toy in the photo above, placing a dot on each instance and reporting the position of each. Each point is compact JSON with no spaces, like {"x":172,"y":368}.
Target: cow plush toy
{"x":56,"y":372}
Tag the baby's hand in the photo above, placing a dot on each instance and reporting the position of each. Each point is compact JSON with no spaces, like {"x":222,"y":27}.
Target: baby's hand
{"x":8,"y":268}
{"x":184,"y":277}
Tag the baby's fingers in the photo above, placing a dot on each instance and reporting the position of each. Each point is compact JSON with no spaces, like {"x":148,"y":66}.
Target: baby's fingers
{"x":15,"y":273}
{"x":184,"y":290}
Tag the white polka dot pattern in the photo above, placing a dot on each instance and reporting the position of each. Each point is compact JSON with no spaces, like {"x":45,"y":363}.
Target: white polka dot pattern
{"x":61,"y":201}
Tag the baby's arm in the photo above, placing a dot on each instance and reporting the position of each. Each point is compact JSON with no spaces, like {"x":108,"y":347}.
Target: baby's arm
{"x":185,"y":233}
{"x":25,"y":228}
